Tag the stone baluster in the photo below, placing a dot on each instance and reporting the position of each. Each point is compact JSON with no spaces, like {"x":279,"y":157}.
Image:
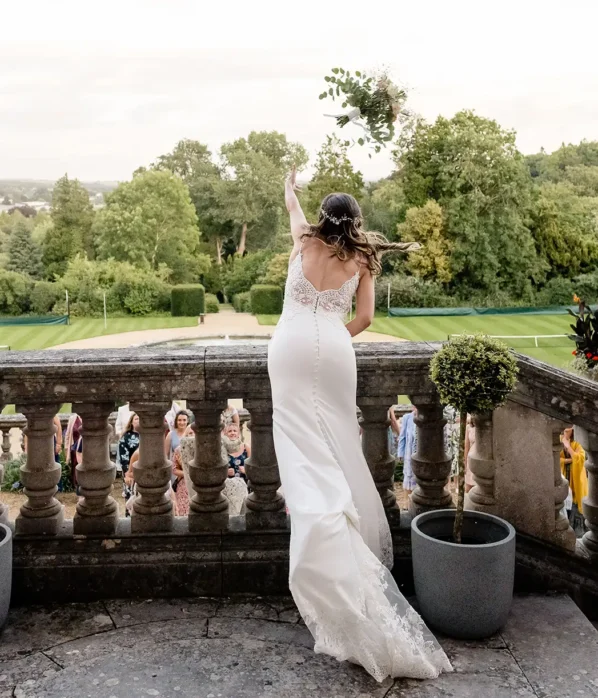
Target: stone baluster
{"x":42,"y":513}
{"x":265,"y":505}
{"x":431,"y":463}
{"x":208,"y":508}
{"x":374,"y":441}
{"x":589,"y":542}
{"x":97,"y":511}
{"x":482,"y":465}
{"x":152,"y":507}
{"x":5,"y":437}
{"x":5,"y":455}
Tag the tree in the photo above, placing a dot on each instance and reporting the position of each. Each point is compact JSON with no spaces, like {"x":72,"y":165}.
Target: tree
{"x":472,"y":168}
{"x":333,"y":173}
{"x":584,"y":178}
{"x":253,"y":174}
{"x":24,"y":210}
{"x":383,"y":206}
{"x":192,"y":162}
{"x":71,"y":234}
{"x":426,"y":226}
{"x":42,"y":194}
{"x":277,"y":270}
{"x":6,"y":201}
{"x":565,"y":229}
{"x":150,"y":221}
{"x":554,"y":167}
{"x":24,"y":256}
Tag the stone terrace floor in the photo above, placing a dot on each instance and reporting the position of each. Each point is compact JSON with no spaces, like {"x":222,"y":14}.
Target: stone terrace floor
{"x":244,"y":648}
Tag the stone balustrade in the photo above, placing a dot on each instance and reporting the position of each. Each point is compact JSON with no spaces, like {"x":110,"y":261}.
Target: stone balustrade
{"x":514,"y":460}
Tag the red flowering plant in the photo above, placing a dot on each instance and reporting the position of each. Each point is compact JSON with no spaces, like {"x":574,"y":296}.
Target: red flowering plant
{"x":586,"y":334}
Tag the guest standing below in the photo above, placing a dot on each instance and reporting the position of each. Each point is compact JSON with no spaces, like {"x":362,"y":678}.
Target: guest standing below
{"x":173,"y":439}
{"x":71,"y":442}
{"x":127,"y":446}
{"x":122,"y":419}
{"x":573,"y":459}
{"x":230,"y":416}
{"x":394,"y":431}
{"x":407,"y":447}
{"x":179,"y":486}
{"x":238,"y":452}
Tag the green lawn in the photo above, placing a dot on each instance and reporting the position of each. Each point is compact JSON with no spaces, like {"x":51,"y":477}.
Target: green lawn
{"x":553,"y":351}
{"x":42,"y":336}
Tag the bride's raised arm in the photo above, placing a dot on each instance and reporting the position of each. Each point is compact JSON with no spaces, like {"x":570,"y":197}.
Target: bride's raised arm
{"x":299,"y":223}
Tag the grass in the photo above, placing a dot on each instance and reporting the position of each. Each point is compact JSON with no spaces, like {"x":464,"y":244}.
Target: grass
{"x":553,"y":351}
{"x":41,"y":336}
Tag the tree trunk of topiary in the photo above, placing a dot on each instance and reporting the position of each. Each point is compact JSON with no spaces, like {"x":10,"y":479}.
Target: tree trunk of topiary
{"x":460,"y":479}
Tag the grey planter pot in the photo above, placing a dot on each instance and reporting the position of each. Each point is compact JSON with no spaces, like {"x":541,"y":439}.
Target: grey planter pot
{"x":466,"y":590}
{"x":5,"y":571}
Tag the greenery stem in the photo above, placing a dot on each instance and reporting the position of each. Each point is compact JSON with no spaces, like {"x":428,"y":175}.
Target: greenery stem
{"x":457,"y":530}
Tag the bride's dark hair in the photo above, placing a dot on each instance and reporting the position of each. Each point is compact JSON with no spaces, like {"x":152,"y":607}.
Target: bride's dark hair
{"x":340,"y":225}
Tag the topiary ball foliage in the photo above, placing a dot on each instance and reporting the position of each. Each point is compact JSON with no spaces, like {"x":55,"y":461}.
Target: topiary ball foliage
{"x":474,"y":374}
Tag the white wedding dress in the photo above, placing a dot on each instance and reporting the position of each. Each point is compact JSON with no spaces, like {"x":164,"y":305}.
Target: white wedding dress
{"x":341,"y":547}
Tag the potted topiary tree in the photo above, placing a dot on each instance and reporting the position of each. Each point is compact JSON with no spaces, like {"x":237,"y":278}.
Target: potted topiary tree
{"x":464,"y":561}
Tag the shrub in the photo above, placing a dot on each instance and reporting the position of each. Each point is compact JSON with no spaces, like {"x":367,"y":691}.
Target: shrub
{"x":15,"y":293}
{"x":212,"y":280}
{"x":188,"y":300}
{"x":128,"y":289}
{"x":558,"y":291}
{"x":44,"y":296}
{"x":586,"y":287}
{"x":139,"y":295}
{"x":266,"y":300}
{"x":12,"y":473}
{"x":242,"y":302}
{"x":411,"y":292}
{"x":212,"y":305}
{"x":241,"y":273}
{"x":277,"y":269}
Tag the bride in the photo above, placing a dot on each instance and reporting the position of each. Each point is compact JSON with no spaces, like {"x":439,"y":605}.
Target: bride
{"x":341,"y":547}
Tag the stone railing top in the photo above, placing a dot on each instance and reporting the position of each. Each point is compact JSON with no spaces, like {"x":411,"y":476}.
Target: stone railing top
{"x":557,"y":393}
{"x":191,"y":373}
{"x":144,"y":374}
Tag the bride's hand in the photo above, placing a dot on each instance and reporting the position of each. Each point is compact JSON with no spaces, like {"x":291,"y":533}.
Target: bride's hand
{"x":291,"y":182}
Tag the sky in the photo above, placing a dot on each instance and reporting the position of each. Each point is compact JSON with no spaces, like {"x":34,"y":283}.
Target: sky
{"x":99,"y":89}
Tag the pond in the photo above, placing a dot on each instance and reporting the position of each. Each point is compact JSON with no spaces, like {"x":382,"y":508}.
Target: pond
{"x":224,"y":340}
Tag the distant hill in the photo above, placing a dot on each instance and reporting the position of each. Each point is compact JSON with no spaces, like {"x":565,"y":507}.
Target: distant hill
{"x":27,"y":189}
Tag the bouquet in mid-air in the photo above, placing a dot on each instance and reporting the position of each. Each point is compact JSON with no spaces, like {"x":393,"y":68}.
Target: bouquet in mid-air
{"x":375,"y":101}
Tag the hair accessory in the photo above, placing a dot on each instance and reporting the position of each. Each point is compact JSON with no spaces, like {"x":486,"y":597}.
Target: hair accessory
{"x":336,"y":221}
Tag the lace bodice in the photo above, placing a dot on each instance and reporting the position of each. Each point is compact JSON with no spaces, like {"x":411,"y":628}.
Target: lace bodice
{"x":301,"y":294}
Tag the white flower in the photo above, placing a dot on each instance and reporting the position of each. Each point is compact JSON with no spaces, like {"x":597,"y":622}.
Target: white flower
{"x":392,"y":91}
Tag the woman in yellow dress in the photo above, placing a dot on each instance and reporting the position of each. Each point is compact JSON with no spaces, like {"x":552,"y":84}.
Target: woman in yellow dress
{"x":573,"y":459}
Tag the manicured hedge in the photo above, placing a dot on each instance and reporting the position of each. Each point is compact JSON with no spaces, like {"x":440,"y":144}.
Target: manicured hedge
{"x":266,"y":300}
{"x":212,"y":305}
{"x":187,"y":300}
{"x":242,"y":302}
